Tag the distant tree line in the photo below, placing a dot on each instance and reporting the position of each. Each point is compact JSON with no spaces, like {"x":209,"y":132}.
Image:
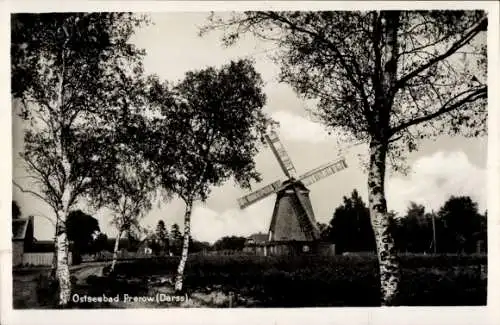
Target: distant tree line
{"x":85,"y":234}
{"x":456,"y":227}
{"x":161,"y":241}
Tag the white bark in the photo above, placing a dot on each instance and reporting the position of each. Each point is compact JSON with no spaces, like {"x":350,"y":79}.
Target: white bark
{"x":386,"y":250}
{"x":53,"y":269}
{"x":62,"y":271}
{"x":185,"y":248}
{"x":115,"y":251}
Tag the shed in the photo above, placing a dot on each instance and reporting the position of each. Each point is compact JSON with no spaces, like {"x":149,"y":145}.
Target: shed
{"x":22,"y":238}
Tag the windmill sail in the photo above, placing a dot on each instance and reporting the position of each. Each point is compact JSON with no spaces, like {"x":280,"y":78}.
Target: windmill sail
{"x":293,"y":218}
{"x":281,"y":154}
{"x":259,"y":194}
{"x":323,"y":171}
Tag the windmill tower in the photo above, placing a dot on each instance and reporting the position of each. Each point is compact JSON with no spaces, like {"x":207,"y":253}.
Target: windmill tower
{"x":293,"y":226}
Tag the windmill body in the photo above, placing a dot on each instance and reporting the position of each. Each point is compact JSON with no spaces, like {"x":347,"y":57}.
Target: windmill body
{"x":293,"y":226}
{"x":290,"y":220}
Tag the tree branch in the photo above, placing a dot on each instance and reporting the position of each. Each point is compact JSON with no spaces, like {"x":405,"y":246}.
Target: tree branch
{"x":32,"y":193}
{"x":395,"y":139}
{"x":481,"y":25}
{"x":45,"y":177}
{"x":476,"y":94}
{"x":316,"y":35}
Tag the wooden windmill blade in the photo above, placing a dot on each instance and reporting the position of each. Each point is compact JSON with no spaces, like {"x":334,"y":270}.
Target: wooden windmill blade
{"x":323,"y":171}
{"x":259,"y":194}
{"x":281,"y":155}
{"x":310,"y":178}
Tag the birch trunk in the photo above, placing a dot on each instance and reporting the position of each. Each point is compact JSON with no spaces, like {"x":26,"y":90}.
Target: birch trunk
{"x":115,"y":251}
{"x":386,"y":250}
{"x":53,"y":269}
{"x":62,"y":271}
{"x":185,"y":248}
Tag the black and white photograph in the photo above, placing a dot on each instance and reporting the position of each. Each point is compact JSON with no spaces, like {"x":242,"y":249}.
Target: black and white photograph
{"x":269,"y":158}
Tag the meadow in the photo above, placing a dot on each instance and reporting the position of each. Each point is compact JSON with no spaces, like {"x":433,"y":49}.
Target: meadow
{"x":314,"y":281}
{"x":300,"y":281}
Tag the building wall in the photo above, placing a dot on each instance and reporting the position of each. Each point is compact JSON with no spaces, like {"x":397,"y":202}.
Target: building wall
{"x":327,"y":249}
{"x":291,"y":248}
{"x":17,"y":252}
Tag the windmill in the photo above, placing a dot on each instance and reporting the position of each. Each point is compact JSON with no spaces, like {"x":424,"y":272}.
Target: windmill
{"x":293,"y":218}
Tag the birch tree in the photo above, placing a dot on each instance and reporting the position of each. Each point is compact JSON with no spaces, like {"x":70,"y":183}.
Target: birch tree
{"x":127,"y":188}
{"x":385,"y":78}
{"x":64,"y":68}
{"x":127,"y":185}
{"x":218,"y":116}
{"x":131,"y":203}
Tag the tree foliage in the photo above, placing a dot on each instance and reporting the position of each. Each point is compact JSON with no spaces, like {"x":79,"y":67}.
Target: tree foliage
{"x":207,"y":132}
{"x":433,"y":82}
{"x":218,"y":120}
{"x":199,"y":246}
{"x":99,"y":243}
{"x":413,"y":231}
{"x":350,"y":228}
{"x":127,"y":187}
{"x":463,"y":224}
{"x":81,"y":227}
{"x":386,"y":78}
{"x":175,"y":239}
{"x":16,"y":210}
{"x":160,"y":242}
{"x":235,"y":243}
{"x":458,"y":225}
{"x":67,"y":71}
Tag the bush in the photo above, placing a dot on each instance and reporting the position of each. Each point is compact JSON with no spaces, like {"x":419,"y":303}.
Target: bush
{"x":46,"y":291}
{"x":313,"y":281}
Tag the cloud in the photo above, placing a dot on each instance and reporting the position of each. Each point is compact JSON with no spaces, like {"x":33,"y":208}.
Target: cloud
{"x":298,"y":128}
{"x":434,"y":179}
{"x":210,"y":225}
{"x":301,"y":129}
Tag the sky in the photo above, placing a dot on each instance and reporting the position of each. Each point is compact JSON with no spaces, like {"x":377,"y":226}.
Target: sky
{"x":441,"y":168}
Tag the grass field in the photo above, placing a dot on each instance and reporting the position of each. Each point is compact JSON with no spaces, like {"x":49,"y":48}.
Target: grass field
{"x":309,"y":281}
{"x":322,"y":281}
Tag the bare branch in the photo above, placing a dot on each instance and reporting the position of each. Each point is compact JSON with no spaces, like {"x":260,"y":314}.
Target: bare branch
{"x":350,"y":74}
{"x":45,"y":176}
{"x":481,"y":25}
{"x":395,"y":139}
{"x":423,"y":46}
{"x":33,"y":193}
{"x":474,"y":94}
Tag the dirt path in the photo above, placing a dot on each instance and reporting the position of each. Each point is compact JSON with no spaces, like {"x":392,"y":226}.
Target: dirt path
{"x":158,"y":296}
{"x":82,"y":272}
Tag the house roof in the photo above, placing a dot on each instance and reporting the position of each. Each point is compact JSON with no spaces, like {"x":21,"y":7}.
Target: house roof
{"x":19,"y":228}
{"x":42,"y":246}
{"x":257,"y":238}
{"x":46,"y":246}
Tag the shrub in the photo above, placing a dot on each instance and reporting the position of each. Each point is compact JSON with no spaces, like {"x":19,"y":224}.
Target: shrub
{"x":46,"y":291}
{"x":309,"y":281}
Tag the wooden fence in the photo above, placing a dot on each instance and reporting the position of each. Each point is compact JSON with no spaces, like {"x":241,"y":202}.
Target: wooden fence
{"x":41,"y":258}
